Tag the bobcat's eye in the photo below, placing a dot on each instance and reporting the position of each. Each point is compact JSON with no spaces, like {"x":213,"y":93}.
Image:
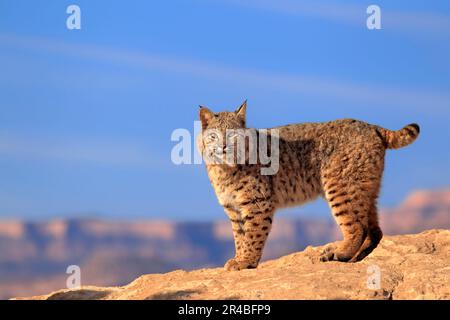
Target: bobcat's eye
{"x":212,"y":137}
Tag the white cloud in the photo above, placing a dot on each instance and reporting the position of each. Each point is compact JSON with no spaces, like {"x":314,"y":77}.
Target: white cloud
{"x":401,"y":98}
{"x":354,"y":14}
{"x":84,"y":151}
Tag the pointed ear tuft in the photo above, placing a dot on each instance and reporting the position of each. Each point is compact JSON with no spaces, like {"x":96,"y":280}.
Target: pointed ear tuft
{"x":242,"y":109}
{"x":205,"y":116}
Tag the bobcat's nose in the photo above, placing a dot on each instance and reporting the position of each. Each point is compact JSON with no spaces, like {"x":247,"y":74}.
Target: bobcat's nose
{"x":219,"y":150}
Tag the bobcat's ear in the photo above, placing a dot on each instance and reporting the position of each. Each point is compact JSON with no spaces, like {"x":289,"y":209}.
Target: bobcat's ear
{"x":242,"y":109}
{"x":205,"y":116}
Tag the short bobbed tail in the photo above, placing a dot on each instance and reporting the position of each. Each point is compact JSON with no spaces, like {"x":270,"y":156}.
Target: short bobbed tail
{"x":400,"y":138}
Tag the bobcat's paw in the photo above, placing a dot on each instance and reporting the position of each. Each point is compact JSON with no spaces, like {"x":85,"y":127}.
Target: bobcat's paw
{"x":333,"y":253}
{"x":327,"y":254}
{"x":236,"y":265}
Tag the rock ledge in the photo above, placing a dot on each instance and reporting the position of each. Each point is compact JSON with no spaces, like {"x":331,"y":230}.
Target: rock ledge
{"x":411,"y":267}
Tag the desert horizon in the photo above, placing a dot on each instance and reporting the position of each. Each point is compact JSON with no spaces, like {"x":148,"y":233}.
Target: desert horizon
{"x":35,"y":255}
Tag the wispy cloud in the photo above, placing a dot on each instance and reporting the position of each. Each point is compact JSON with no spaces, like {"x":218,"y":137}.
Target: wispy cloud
{"x":76,"y":151}
{"x":345,"y":13}
{"x":354,"y":14}
{"x":407,"y":98}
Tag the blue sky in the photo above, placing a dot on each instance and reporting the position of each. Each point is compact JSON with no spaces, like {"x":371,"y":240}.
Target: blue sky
{"x":86,"y":115}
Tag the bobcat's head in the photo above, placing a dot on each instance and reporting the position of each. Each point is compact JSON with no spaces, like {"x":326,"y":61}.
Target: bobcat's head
{"x":220,"y":132}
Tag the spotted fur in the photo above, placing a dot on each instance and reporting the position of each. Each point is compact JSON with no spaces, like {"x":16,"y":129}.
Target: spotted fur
{"x":341,"y":161}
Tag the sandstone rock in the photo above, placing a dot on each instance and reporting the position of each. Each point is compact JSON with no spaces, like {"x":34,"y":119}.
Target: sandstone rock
{"x":411,"y":267}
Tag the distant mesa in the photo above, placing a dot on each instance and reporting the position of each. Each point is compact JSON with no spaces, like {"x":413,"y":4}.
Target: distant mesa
{"x":401,"y":267}
{"x":34,"y":256}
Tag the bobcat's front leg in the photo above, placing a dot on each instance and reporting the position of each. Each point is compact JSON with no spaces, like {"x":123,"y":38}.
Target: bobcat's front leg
{"x":251,"y":227}
{"x":237,"y":224}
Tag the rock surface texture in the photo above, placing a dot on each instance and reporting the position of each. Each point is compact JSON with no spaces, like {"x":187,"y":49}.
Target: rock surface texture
{"x":402,"y":267}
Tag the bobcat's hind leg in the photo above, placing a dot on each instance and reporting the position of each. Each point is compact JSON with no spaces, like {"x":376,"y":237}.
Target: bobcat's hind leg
{"x":250,"y":237}
{"x":350,"y":208}
{"x":374,"y":236}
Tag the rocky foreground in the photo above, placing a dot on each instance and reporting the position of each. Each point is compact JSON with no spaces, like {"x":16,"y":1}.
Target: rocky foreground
{"x":410,"y":267}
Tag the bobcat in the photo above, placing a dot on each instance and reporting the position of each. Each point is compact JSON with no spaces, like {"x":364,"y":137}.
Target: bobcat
{"x":340,"y":160}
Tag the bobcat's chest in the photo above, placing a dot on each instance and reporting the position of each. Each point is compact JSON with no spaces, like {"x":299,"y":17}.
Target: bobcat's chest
{"x":224,"y":183}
